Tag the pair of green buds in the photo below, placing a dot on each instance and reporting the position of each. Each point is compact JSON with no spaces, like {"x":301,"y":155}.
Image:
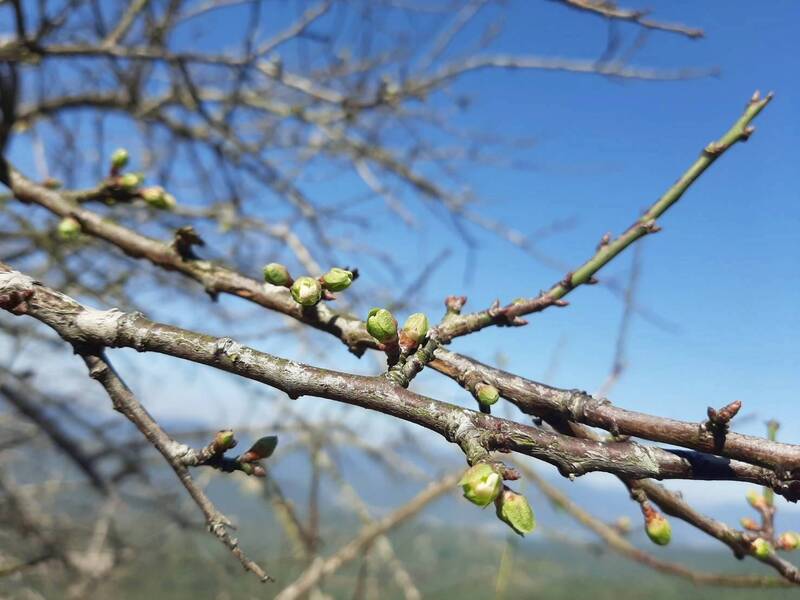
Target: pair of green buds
{"x":382,"y":325}
{"x":482,"y":484}
{"x":307,"y":291}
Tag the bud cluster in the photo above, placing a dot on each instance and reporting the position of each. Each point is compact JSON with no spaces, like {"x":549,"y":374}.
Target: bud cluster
{"x":306,"y":290}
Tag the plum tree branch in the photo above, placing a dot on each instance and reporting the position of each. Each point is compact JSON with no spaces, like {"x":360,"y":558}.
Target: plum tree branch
{"x":476,"y":433}
{"x":580,"y":407}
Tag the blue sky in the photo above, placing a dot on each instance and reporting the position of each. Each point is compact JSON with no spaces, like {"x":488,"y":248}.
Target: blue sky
{"x":724,"y":270}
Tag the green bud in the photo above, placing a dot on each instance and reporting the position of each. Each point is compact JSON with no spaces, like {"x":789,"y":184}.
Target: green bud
{"x":130,"y":181}
{"x":381,"y":325}
{"x":514,"y":509}
{"x":277,"y":274}
{"x":487,"y":394}
{"x":69,"y":229}
{"x":337,"y":279}
{"x":789,"y":540}
{"x":119,"y":159}
{"x":658,"y":529}
{"x":306,"y":291}
{"x":762,"y":548}
{"x":158,"y":198}
{"x":481,"y":484}
{"x":416,"y":327}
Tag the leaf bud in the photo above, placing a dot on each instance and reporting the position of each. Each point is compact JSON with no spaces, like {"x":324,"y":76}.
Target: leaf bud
{"x":514,"y":510}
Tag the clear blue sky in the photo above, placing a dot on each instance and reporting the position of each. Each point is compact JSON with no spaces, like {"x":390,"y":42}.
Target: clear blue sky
{"x":725,"y":268}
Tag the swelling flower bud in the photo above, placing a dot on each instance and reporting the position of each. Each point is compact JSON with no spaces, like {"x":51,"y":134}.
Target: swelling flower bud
{"x":306,"y":291}
{"x":514,"y":509}
{"x":119,"y":159}
{"x":789,"y":540}
{"x":69,"y":229}
{"x":762,"y":548}
{"x":486,"y":394}
{"x":416,"y":327}
{"x":130,"y":181}
{"x":481,"y":484}
{"x":337,"y":279}
{"x":381,"y":325}
{"x":658,"y":529}
{"x":158,"y":198}
{"x":277,"y":274}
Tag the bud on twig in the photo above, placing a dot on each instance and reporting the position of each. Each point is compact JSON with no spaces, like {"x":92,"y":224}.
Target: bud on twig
{"x":789,"y":540}
{"x":382,"y":325}
{"x":130,"y":181}
{"x":657,"y":527}
{"x":756,"y":500}
{"x":481,"y":484}
{"x":277,"y":274}
{"x":454,"y":304}
{"x":762,"y":548}
{"x":119,"y":159}
{"x":158,"y":198}
{"x":69,"y":229}
{"x":486,"y":394}
{"x":263,"y":448}
{"x":414,"y":331}
{"x":306,"y":291}
{"x":514,"y":510}
{"x":337,"y":279}
{"x":224,"y":440}
{"x":749,"y":524}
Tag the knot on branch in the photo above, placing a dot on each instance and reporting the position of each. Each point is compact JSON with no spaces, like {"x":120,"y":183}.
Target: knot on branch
{"x":15,"y":291}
